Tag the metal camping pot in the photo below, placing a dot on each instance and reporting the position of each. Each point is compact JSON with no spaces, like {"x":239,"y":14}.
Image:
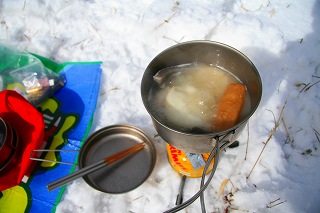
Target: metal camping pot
{"x":210,"y":53}
{"x":8,"y":144}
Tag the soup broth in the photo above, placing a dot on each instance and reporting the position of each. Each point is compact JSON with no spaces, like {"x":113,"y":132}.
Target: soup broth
{"x":185,"y":97}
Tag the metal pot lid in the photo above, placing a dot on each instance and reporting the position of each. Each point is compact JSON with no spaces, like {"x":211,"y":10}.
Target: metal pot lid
{"x":126,"y":174}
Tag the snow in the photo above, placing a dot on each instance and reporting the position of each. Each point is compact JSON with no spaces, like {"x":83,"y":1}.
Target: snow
{"x":280,"y":37}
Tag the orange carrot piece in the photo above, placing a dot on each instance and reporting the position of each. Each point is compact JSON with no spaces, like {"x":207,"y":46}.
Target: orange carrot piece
{"x":229,"y":107}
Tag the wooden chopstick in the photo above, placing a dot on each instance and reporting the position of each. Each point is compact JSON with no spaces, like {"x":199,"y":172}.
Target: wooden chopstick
{"x":93,"y":167}
{"x":119,"y":155}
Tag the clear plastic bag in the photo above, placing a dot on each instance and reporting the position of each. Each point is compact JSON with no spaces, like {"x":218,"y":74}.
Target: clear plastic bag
{"x":27,"y":75}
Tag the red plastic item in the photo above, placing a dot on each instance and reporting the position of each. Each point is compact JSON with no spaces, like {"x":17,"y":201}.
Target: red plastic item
{"x":29,"y":126}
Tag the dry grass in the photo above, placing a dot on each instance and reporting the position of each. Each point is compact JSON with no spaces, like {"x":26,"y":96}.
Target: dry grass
{"x":275,"y":203}
{"x":277,"y":123}
{"x":307,"y":86}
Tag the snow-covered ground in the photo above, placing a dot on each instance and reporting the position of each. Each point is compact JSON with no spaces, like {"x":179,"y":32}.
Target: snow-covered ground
{"x":280,"y":37}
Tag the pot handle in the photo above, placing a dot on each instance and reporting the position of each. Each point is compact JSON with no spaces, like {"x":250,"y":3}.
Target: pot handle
{"x":221,"y":139}
{"x":40,"y":151}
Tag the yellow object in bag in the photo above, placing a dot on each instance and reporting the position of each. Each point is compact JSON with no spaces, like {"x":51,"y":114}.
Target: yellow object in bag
{"x":188,"y":164}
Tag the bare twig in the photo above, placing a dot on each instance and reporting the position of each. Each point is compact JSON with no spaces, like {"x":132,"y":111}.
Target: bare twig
{"x":233,"y":186}
{"x":273,"y":130}
{"x":272,"y":12}
{"x":175,"y":6}
{"x":307,"y":152}
{"x":271,"y":206}
{"x":241,"y":210}
{"x":247,"y":10}
{"x":27,"y":37}
{"x":287,"y":132}
{"x":112,"y":89}
{"x":317,"y":134}
{"x":271,"y":202}
{"x":135,"y":199}
{"x":173,"y":39}
{"x":306,"y":89}
{"x":213,"y":29}
{"x":166,"y":20}
{"x":95,"y":30}
{"x":248,"y":136}
{"x":274,"y":117}
{"x":307,"y":86}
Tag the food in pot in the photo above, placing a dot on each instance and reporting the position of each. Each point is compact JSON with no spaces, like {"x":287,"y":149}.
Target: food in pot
{"x":229,"y":107}
{"x":187,"y":98}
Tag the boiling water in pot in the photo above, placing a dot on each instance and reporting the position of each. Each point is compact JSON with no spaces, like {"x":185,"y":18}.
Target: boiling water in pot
{"x":185,"y":97}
